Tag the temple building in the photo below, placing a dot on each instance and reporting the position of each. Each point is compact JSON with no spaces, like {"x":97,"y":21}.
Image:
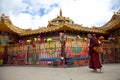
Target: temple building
{"x":60,"y":41}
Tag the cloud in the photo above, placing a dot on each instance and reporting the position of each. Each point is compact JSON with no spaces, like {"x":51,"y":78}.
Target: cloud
{"x":36,"y":13}
{"x":115,"y":4}
{"x":12,"y":6}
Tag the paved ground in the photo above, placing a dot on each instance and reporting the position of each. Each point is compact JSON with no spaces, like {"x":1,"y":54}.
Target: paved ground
{"x":110,"y":72}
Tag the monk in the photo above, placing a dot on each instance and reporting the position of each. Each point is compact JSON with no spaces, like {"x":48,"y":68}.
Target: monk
{"x":94,"y":60}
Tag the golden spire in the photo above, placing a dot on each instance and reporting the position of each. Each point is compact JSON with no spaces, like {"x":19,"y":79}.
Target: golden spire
{"x":60,"y":12}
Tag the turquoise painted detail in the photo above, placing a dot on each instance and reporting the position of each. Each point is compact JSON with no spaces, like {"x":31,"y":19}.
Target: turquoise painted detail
{"x":76,"y":51}
{"x":76,"y":47}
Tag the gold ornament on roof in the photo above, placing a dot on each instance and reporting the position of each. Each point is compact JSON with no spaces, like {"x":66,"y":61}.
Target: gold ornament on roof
{"x":60,"y":20}
{"x":5,"y":18}
{"x":117,"y":12}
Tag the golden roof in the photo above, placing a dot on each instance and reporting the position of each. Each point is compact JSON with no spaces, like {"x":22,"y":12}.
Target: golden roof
{"x":113,"y":23}
{"x":58,"y":24}
{"x":7,"y":26}
{"x":71,"y":27}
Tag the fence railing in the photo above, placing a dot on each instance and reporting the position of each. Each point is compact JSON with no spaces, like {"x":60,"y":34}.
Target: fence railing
{"x":50,"y":53}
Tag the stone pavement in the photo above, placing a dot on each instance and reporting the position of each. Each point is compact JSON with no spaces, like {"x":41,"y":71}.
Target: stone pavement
{"x":110,"y":72}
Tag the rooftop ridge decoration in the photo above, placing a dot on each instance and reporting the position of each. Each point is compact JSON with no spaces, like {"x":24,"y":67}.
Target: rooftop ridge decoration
{"x":60,"y":20}
{"x":7,"y":25}
{"x":117,"y":12}
{"x":60,"y":13}
{"x":5,"y":18}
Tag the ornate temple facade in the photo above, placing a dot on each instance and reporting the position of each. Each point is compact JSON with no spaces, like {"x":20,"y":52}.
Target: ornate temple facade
{"x":62,"y":40}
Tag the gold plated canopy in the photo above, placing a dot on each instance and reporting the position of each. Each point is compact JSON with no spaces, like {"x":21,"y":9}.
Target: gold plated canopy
{"x":59,"y":23}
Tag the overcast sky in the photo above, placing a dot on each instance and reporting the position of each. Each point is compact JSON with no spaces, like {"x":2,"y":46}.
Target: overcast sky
{"x":36,"y":13}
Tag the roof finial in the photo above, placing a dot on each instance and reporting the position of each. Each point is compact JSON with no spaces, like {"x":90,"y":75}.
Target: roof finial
{"x":60,"y":12}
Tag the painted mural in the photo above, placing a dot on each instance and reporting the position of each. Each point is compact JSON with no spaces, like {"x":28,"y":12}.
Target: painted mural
{"x":77,"y":50}
{"x":1,"y":54}
{"x":16,"y":54}
{"x":46,"y":53}
{"x":109,"y":52}
{"x":49,"y":52}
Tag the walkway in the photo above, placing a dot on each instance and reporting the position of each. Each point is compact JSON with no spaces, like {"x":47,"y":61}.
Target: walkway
{"x":110,"y":72}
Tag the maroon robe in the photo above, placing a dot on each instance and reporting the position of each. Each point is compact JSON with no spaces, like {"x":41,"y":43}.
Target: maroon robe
{"x":94,"y":60}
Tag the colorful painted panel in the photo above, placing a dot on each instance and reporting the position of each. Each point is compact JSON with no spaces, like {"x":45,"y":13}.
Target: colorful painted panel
{"x":1,"y":49}
{"x":50,"y":48}
{"x":17,"y":54}
{"x":4,"y":40}
{"x":76,"y":48}
{"x":109,"y":52}
{"x":50,"y":53}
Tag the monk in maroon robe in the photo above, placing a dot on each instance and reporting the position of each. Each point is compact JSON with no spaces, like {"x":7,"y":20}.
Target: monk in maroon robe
{"x":94,"y":60}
